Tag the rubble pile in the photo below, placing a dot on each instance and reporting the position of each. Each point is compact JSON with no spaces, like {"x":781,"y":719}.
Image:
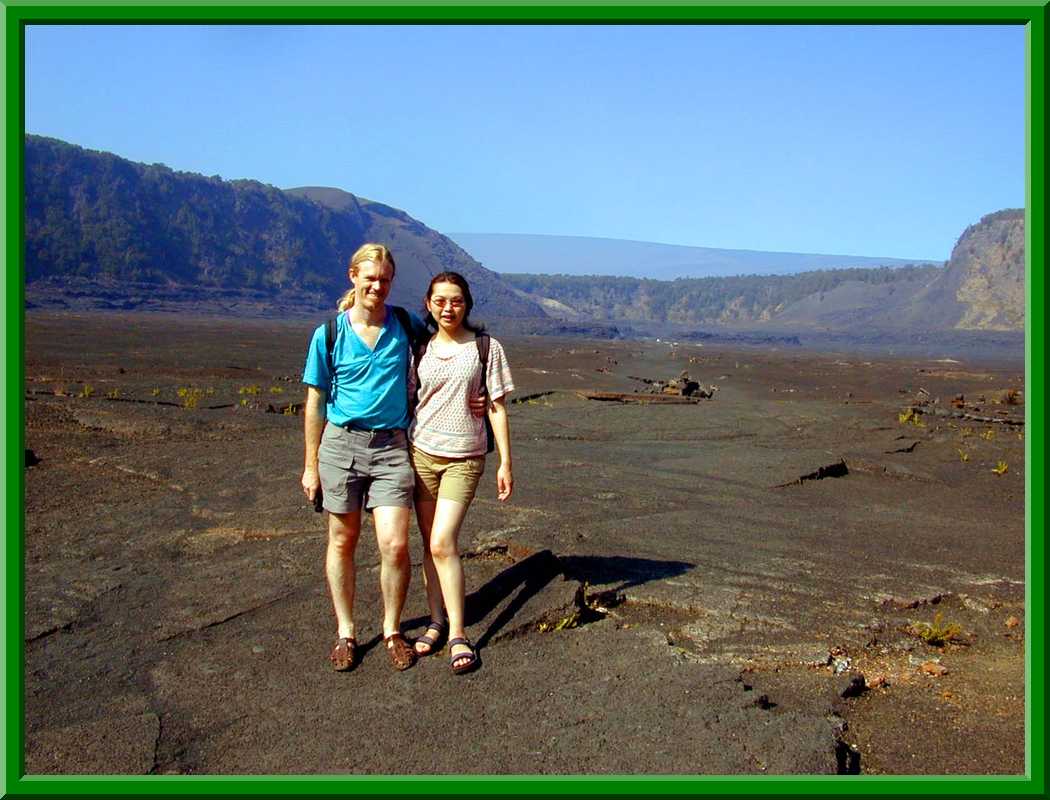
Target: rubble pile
{"x":682,"y":386}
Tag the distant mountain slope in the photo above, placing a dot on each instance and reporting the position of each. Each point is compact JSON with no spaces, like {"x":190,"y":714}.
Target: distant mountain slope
{"x":582,"y":255}
{"x":421,"y":253}
{"x":95,"y":218}
{"x":738,"y":299}
{"x":981,"y":288}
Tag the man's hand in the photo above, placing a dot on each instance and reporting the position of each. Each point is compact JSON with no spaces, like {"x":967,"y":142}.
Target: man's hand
{"x":478,"y":405}
{"x":311,"y":483}
{"x":504,"y":481}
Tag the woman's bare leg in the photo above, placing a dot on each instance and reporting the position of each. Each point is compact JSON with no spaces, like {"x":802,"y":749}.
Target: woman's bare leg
{"x":425,"y":518}
{"x":444,"y":552}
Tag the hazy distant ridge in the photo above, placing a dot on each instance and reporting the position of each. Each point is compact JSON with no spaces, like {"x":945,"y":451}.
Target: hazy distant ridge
{"x":582,"y":255}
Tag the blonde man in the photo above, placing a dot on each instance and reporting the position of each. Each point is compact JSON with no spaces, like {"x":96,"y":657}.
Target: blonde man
{"x":356,"y":454}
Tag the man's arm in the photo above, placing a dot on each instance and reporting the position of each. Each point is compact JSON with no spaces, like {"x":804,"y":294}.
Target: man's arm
{"x":313,"y":426}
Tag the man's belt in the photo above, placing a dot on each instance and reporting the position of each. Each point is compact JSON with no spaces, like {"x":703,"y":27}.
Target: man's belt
{"x":377,"y":437}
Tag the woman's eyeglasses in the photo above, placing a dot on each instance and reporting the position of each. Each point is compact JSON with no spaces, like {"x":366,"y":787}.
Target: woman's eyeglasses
{"x":440,"y":302}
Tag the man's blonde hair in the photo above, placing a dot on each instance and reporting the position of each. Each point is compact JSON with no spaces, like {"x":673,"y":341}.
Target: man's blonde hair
{"x":369,"y":251}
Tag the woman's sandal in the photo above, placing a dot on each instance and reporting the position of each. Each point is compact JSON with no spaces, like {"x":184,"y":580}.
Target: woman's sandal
{"x":344,"y":654}
{"x":401,"y":655}
{"x":433,"y":641}
{"x":472,"y":656}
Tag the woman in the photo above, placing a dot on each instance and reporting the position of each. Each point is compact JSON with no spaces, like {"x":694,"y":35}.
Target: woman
{"x":448,"y":453}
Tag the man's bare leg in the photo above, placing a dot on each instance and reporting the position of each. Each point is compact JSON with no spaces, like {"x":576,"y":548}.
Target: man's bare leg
{"x":395,"y":568}
{"x":341,"y":569}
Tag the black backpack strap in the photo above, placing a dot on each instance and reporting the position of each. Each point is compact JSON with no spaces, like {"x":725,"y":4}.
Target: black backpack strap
{"x":406,"y":324}
{"x":416,"y":345}
{"x":482,"y":341}
{"x":331,"y":331}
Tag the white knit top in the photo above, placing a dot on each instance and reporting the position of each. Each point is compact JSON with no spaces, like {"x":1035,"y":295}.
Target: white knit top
{"x":448,"y":376}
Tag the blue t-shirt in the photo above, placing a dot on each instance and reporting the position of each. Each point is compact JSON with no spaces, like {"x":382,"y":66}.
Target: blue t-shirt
{"x":371,"y":386}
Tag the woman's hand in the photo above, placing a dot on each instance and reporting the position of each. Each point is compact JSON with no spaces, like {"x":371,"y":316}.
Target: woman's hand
{"x":504,"y":481}
{"x":501,"y":431}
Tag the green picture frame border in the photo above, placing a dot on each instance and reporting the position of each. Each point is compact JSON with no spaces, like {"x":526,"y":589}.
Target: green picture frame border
{"x":18,"y":13}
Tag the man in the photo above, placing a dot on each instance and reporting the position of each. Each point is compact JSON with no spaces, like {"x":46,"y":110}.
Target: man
{"x":359,"y":459}
{"x":356,"y":451}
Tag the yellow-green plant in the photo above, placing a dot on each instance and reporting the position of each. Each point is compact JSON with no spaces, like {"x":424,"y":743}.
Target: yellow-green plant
{"x":912,"y":416}
{"x":155,"y":392}
{"x":964,"y":456}
{"x":250,"y":390}
{"x":938,"y":632}
{"x":571,"y":621}
{"x":999,"y":468}
{"x":113,"y":394}
{"x":988,"y":435}
{"x":191,"y":396}
{"x":87,"y":391}
{"x":276,"y":390}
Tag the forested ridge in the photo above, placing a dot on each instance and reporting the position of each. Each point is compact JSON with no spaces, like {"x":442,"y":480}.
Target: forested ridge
{"x":93,"y":215}
{"x":691,"y":300}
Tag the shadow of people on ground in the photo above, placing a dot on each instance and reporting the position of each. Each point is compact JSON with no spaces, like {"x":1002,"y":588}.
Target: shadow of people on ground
{"x":628,"y":572}
{"x":529,"y":576}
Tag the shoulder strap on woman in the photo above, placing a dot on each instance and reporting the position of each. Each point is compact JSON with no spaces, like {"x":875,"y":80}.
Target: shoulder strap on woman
{"x":482,"y":341}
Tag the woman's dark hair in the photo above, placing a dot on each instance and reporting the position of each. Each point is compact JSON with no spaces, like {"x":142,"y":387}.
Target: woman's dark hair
{"x":461,"y":282}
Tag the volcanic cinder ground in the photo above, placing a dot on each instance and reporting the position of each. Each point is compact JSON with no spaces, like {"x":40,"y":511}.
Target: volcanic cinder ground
{"x":671,"y":589}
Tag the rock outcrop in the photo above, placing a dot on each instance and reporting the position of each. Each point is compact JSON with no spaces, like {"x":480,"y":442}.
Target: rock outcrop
{"x":988,"y":262}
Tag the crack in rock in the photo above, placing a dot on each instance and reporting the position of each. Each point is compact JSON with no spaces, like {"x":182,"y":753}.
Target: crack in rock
{"x":836,"y":470}
{"x":150,"y":476}
{"x":204,"y":625}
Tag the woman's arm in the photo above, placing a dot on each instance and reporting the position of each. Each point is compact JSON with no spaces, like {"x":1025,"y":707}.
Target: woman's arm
{"x":501,"y":431}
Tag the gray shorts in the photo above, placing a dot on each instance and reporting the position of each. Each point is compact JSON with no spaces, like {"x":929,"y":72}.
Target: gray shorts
{"x":364,"y":469}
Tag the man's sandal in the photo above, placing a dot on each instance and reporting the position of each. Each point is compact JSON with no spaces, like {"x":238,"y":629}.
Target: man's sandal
{"x":344,"y":654}
{"x":471,"y":656}
{"x":401,"y":655}
{"x":434,"y":637}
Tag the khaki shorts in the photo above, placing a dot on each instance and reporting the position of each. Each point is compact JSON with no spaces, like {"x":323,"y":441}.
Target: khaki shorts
{"x":450,"y":478}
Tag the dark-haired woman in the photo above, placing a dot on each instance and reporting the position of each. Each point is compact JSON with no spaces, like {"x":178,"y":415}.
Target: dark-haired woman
{"x":448,"y":454}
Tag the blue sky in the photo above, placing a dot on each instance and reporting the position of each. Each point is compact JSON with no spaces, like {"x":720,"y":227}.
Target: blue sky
{"x":859,"y":140}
